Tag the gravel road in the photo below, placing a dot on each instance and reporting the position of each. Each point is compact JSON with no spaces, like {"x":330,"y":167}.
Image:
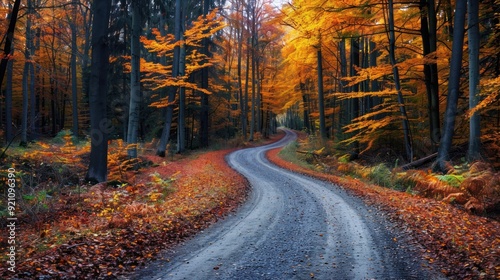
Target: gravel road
{"x":292,"y":227}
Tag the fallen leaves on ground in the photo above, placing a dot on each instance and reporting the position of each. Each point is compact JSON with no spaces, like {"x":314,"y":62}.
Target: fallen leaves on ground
{"x":462,"y":245}
{"x":108,"y":230}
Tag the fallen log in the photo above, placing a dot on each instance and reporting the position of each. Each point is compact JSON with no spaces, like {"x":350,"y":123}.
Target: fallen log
{"x":419,"y":162}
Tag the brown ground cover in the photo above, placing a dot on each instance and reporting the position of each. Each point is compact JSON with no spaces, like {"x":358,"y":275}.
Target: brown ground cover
{"x":107,"y":230}
{"x":461,"y":244}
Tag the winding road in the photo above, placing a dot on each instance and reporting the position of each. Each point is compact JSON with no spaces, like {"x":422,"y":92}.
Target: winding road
{"x":292,"y":227}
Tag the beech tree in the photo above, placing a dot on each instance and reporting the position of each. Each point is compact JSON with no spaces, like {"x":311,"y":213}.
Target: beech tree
{"x":428,"y":29}
{"x":135,"y":80}
{"x":473,"y":152}
{"x":6,"y":57}
{"x":159,"y":76}
{"x":98,"y":91}
{"x":397,"y":83}
{"x":453,"y":87}
{"x":165,"y":136}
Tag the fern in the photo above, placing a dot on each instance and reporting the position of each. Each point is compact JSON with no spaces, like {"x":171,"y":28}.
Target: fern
{"x":381,"y":175}
{"x":451,"y":179}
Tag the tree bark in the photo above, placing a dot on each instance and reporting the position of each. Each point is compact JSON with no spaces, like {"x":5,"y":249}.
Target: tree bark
{"x":181,"y":119}
{"x":247,"y":79}
{"x":7,"y":52}
{"x":98,"y":89}
{"x":165,"y":136}
{"x":343,"y":117}
{"x":354,"y":102}
{"x":321,"y":98}
{"x":453,"y":87}
{"x":474,"y":40}
{"x":8,"y":40}
{"x":74,"y":82}
{"x":204,"y":116}
{"x":135,"y":81}
{"x":429,"y":41}
{"x":253,"y":45}
{"x":26,"y":77}
{"x":392,"y":49}
{"x":24,"y":114}
{"x":305,"y":105}
{"x":9,"y":132}
{"x":243,"y":106}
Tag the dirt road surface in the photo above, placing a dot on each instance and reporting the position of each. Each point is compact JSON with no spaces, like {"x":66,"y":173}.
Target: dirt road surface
{"x":292,"y":227}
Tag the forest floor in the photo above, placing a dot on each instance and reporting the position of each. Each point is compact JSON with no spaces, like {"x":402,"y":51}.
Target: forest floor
{"x":462,"y":244}
{"x":94,"y":231}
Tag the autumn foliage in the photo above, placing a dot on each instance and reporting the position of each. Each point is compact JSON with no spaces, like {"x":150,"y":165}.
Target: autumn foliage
{"x":447,"y":216}
{"x":93,"y":231}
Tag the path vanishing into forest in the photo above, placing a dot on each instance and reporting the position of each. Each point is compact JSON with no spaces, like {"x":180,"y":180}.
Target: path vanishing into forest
{"x":292,"y":227}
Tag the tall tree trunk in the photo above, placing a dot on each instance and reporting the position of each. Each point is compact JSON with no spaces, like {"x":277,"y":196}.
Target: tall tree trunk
{"x":253,"y":101}
{"x":9,"y":132}
{"x":253,"y":45}
{"x":343,"y":114}
{"x":243,"y":105}
{"x":258,"y":101}
{"x":165,"y":136}
{"x":392,"y":54}
{"x":74,"y":81}
{"x":354,"y":102}
{"x":305,"y":105}
{"x":7,"y":52}
{"x":374,"y":85}
{"x":435,"y":111}
{"x":26,"y":77}
{"x":86,"y":54}
{"x":247,"y":80}
{"x":98,"y":90}
{"x":32,"y":85}
{"x":24,"y":114}
{"x":135,"y":81}
{"x":181,"y":119}
{"x":204,"y":116}
{"x":8,"y":39}
{"x":321,"y":98}
{"x":474,"y":40}
{"x":453,"y":87}
{"x":429,"y":41}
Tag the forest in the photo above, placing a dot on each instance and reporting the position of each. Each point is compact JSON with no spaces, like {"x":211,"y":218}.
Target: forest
{"x":365,"y":76}
{"x":94,"y":91}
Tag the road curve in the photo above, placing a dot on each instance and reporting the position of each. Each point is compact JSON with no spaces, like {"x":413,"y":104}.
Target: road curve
{"x":291,"y":227}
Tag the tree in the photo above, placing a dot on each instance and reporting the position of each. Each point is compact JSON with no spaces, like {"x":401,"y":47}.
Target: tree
{"x":9,"y":38}
{"x":474,"y":42}
{"x":98,"y":90}
{"x":74,"y":74}
{"x":135,"y":80}
{"x":453,"y":87}
{"x":204,"y":122}
{"x":428,"y":31}
{"x":181,"y":72}
{"x":7,"y":52}
{"x":165,"y":136}
{"x":28,"y":76}
{"x":321,"y":98}
{"x":392,"y":45}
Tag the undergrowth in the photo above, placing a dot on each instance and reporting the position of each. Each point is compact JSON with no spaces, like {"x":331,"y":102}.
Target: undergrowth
{"x":475,"y":187}
{"x":149,"y":201}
